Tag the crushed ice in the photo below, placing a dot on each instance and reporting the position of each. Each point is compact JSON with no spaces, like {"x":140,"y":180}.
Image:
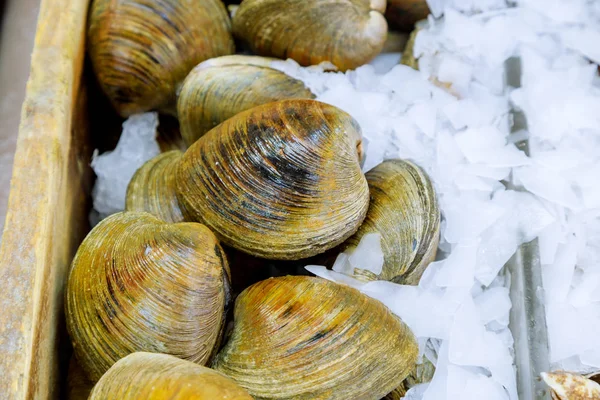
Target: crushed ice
{"x":114,"y":169}
{"x":460,"y":134}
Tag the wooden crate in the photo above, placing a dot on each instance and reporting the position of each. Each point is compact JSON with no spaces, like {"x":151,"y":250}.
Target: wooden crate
{"x":48,"y":206}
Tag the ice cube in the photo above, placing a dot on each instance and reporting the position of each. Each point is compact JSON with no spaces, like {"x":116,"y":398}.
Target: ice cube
{"x":114,"y":169}
{"x":557,"y":277}
{"x":384,"y":62}
{"x":342,"y":265}
{"x":424,"y":116}
{"x":548,"y":185}
{"x":468,"y":216}
{"x":459,"y":268}
{"x":324,"y":273}
{"x":584,"y":40}
{"x":368,"y":254}
{"x":493,"y":305}
{"x":437,"y":389}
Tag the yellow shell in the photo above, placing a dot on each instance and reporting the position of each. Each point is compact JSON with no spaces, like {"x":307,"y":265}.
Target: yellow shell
{"x":152,"y":188}
{"x":237,"y":59}
{"x":140,"y":284}
{"x":214,"y":92}
{"x":404,"y":211}
{"x":278,"y":181}
{"x":570,"y":386}
{"x":421,"y":373}
{"x":141,"y":50}
{"x":162,"y":377}
{"x":347,"y":33}
{"x":299,"y":337}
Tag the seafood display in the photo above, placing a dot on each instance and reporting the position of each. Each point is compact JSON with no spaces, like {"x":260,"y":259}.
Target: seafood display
{"x":199,"y":287}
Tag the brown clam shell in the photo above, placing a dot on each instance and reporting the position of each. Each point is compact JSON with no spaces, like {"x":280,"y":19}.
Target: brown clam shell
{"x":140,"y":284}
{"x":278,"y":181}
{"x":421,"y":373}
{"x":141,"y":50}
{"x":152,"y":188}
{"x":160,"y":376}
{"x":347,"y":33}
{"x":212,"y":94}
{"x":404,"y":211}
{"x":299,"y":337}
{"x":571,"y":386}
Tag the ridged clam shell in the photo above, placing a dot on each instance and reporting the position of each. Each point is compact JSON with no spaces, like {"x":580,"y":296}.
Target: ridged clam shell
{"x":299,"y":337}
{"x":212,"y":94}
{"x":152,"y":188}
{"x":141,"y":50}
{"x":421,"y":373}
{"x":278,"y":181}
{"x":571,"y":386}
{"x":404,"y":211}
{"x":160,"y":376}
{"x":140,"y":284}
{"x":347,"y":33}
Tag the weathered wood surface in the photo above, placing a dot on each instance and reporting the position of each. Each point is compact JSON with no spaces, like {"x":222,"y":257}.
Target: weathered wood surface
{"x":47,"y":205}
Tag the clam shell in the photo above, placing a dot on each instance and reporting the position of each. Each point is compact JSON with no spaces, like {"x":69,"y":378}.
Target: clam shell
{"x":237,"y":59}
{"x":212,"y":94}
{"x":347,"y":33}
{"x":141,"y":50}
{"x":299,"y":337}
{"x":278,"y":181}
{"x":160,"y":376}
{"x":404,"y":211}
{"x":140,"y":284}
{"x":570,"y":386}
{"x":403,"y":14}
{"x":421,"y":373}
{"x":152,"y":188}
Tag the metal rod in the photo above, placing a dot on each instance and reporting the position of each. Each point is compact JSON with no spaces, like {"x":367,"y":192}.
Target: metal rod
{"x":528,"y":315}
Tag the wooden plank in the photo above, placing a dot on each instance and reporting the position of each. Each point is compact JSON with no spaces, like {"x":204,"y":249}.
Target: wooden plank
{"x":45,"y":220}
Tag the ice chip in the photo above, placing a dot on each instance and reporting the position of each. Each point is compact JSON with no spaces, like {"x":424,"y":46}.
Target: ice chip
{"x":342,"y":265}
{"x":459,"y":268}
{"x":114,"y":169}
{"x":368,"y":254}
{"x":468,"y":216}
{"x":493,"y":305}
{"x":384,"y":62}
{"x":324,"y":273}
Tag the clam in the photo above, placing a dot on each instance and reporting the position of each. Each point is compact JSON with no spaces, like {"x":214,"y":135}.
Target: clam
{"x":404,"y":211}
{"x":421,"y":373}
{"x":300,"y":337}
{"x":160,"y":376}
{"x":217,"y":90}
{"x":570,"y":386}
{"x":141,"y":50}
{"x":403,"y":14}
{"x":152,"y":188}
{"x":408,"y":56}
{"x":347,"y":33}
{"x":279,"y":181}
{"x":140,"y":284}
